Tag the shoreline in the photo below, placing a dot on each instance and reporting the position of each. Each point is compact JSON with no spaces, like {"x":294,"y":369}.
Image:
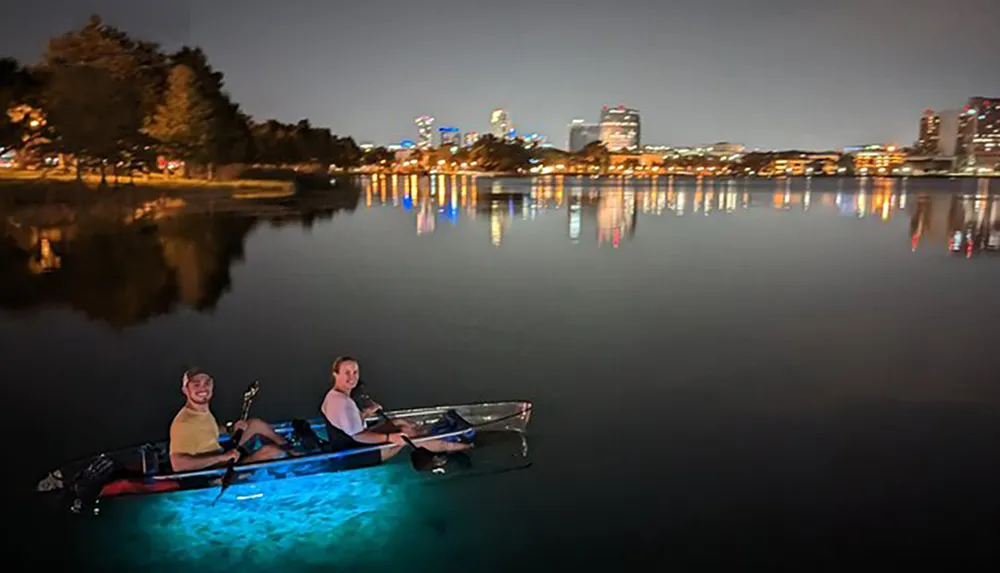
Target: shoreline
{"x":22,"y":179}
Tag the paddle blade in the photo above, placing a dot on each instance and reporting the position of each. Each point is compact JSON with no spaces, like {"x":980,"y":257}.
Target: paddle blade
{"x":423,"y":459}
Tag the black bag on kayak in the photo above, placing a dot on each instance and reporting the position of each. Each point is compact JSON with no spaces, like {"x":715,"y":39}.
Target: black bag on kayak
{"x":452,"y":422}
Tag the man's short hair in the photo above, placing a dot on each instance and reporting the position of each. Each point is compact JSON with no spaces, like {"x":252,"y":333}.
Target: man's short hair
{"x":190,"y":373}
{"x":340,"y":360}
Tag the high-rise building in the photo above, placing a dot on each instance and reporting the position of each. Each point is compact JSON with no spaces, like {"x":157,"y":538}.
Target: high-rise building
{"x":620,"y":128}
{"x":980,"y":133}
{"x":949,"y":132}
{"x":450,"y":136}
{"x":929,"y":135}
{"x":502,"y":127}
{"x":582,"y":134}
{"x":471,"y":138}
{"x":425,"y":132}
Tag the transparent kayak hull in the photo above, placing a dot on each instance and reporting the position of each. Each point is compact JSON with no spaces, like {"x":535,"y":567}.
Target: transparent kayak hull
{"x":500,"y":429}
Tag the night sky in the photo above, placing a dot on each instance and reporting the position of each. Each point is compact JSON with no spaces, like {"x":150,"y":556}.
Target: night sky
{"x":767,"y":73}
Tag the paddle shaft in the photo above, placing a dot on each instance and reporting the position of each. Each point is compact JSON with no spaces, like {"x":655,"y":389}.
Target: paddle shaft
{"x":237,"y":436}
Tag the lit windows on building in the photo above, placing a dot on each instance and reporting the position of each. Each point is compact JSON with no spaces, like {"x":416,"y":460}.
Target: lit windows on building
{"x":981,"y":132}
{"x":877,"y":159}
{"x":929,"y":140}
{"x":621,"y":128}
{"x":425,"y":132}
{"x":450,"y":136}
{"x":502,"y":127}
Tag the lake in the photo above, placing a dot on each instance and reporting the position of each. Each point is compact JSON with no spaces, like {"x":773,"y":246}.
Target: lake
{"x":726,"y":374}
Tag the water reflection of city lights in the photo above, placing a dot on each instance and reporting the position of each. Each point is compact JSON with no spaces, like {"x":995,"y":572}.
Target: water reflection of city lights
{"x":969,"y":224}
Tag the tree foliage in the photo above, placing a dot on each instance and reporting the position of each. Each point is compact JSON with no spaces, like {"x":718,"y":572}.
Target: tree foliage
{"x":184,"y":122}
{"x":493,"y":154}
{"x":278,"y":143}
{"x":112,"y":99}
{"x":92,"y":113}
{"x":18,"y":86}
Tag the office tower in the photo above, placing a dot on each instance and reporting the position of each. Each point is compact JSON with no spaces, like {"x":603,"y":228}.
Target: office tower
{"x":582,"y":134}
{"x":620,"y":128}
{"x":471,"y":138}
{"x":929,"y":134}
{"x":980,"y":133}
{"x":450,"y":136}
{"x":502,"y":128}
{"x":425,"y":132}
{"x":949,"y":132}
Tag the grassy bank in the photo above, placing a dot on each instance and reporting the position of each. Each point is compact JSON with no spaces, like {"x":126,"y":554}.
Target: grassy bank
{"x":21,"y":178}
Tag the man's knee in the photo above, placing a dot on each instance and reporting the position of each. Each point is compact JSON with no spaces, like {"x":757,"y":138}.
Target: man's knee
{"x":256,"y":426}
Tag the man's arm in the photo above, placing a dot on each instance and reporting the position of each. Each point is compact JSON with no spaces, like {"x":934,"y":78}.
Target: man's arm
{"x":189,"y":462}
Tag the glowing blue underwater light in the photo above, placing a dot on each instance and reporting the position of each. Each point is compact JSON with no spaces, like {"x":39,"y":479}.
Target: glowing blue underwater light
{"x":336,"y":517}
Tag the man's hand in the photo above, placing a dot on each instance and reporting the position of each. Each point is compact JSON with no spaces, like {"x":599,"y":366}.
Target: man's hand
{"x":240,"y":425}
{"x":231,"y":455}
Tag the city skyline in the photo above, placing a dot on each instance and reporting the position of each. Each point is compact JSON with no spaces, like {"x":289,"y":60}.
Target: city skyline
{"x":803,"y":77}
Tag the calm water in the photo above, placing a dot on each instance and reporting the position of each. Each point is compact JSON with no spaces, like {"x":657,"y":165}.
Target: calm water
{"x":768,"y":374}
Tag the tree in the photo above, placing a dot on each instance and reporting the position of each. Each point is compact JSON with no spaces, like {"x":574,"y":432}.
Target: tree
{"x":595,"y":153}
{"x":101,"y":84}
{"x":493,"y":154}
{"x":93,"y":115}
{"x":754,"y":161}
{"x":380,"y":155}
{"x":184,"y":123}
{"x":231,"y":139}
{"x":106,"y":47}
{"x":846,"y":162}
{"x":18,"y":87}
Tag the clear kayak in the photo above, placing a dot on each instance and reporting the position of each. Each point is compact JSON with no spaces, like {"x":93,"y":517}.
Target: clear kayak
{"x":499,"y":429}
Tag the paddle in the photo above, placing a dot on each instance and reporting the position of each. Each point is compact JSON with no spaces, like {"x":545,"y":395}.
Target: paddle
{"x":420,"y":458}
{"x":248,"y":397}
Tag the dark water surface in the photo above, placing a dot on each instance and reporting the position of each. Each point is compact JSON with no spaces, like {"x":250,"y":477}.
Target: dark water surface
{"x":728,"y":375}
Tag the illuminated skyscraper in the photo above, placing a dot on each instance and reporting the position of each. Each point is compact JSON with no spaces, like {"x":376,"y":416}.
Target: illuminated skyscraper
{"x":949,"y":132}
{"x":502,"y":127}
{"x":980,"y":133}
{"x":929,"y":138}
{"x":471,"y":138}
{"x":425,"y":132}
{"x":450,"y":136}
{"x":620,"y":128}
{"x":582,"y":134}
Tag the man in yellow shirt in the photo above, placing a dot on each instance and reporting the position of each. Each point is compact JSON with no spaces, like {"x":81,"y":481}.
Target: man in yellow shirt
{"x":194,"y":433}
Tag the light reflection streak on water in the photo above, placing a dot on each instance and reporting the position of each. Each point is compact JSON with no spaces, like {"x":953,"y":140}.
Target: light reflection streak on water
{"x":879,"y":199}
